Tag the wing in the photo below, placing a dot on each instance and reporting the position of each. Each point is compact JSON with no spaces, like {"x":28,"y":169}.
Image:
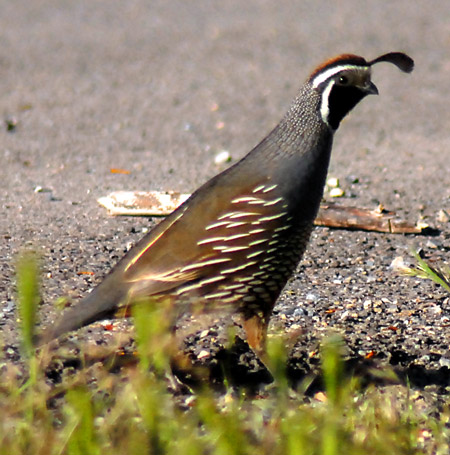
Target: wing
{"x":197,"y":241}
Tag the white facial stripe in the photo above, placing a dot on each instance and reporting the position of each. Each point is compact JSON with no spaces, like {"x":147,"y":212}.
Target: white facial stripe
{"x":322,"y":77}
{"x":324,"y":109}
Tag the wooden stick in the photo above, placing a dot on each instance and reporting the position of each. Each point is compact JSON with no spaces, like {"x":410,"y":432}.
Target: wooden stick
{"x":162,"y":203}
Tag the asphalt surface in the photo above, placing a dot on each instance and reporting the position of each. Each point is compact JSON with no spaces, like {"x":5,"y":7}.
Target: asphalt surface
{"x":159,"y":88}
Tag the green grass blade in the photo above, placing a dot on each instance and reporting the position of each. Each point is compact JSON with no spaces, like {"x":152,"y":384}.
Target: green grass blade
{"x":28,"y":292}
{"x":433,"y":273}
{"x":82,"y":437}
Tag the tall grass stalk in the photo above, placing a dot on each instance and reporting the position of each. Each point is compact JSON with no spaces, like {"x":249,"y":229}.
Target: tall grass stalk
{"x":28,"y":297}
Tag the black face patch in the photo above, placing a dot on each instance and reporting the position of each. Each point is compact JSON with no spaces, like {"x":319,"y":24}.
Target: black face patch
{"x":341,"y":101}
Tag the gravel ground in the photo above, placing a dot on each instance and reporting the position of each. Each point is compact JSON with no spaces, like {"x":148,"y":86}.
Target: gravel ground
{"x":159,"y":88}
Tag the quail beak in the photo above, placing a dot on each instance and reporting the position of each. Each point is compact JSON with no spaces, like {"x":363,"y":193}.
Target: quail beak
{"x":370,"y":88}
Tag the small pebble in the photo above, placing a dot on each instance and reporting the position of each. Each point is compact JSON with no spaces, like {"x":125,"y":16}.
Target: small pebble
{"x":222,"y":157}
{"x":320,"y":396}
{"x":352,"y":179}
{"x":398,"y":265}
{"x":435,"y":309}
{"x":203,"y":354}
{"x":311,"y":297}
{"x":337,"y":192}
{"x":431,"y":244}
{"x":11,"y":124}
{"x":333,"y":182}
{"x":299,"y":312}
{"x":443,"y":216}
{"x":422,"y":225}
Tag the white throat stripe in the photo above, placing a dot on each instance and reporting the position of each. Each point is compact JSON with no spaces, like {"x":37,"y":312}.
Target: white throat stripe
{"x":322,"y":77}
{"x":324,"y":109}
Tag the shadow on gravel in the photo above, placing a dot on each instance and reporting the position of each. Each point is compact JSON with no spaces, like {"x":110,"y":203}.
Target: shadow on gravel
{"x":240,"y":368}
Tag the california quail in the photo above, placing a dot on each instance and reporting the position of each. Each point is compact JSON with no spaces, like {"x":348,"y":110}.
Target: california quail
{"x":236,"y":241}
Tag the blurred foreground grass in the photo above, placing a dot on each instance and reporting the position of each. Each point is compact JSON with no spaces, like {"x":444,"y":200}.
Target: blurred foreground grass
{"x":135,"y":414}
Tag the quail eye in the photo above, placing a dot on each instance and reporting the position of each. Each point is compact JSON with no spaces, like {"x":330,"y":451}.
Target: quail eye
{"x":343,"y":80}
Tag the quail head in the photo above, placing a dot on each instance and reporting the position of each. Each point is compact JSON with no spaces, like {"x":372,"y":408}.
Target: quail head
{"x":236,"y":241}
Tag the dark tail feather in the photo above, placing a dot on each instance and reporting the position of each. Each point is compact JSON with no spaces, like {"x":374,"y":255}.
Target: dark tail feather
{"x":101,"y":303}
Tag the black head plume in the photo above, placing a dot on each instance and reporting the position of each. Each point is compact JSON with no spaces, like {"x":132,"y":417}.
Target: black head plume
{"x":402,"y":61}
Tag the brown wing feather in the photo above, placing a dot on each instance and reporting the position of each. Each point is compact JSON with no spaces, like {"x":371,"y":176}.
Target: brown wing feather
{"x":158,"y":265}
